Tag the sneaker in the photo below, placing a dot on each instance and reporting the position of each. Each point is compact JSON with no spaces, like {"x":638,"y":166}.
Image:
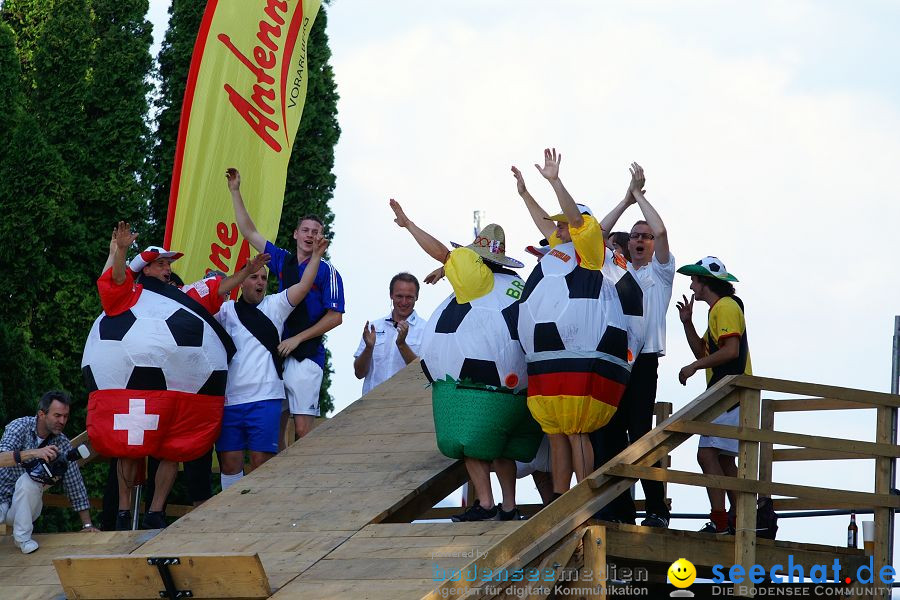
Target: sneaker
{"x":710,"y":527}
{"x":123,"y":520}
{"x":476,"y":513}
{"x":653,"y":520}
{"x":28,"y":546}
{"x":154,"y":519}
{"x":512,"y":515}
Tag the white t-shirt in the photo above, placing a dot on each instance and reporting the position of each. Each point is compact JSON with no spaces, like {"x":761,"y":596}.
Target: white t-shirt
{"x":251,"y":375}
{"x":656,"y":281}
{"x":386,"y":358}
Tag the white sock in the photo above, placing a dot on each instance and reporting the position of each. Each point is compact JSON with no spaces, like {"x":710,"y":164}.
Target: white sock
{"x":230,"y":480}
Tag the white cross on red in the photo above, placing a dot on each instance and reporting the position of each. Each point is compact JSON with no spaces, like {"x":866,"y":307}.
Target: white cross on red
{"x":136,"y":422}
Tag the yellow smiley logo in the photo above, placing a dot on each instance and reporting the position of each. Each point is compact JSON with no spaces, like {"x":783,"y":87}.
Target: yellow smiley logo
{"x":682,"y":573}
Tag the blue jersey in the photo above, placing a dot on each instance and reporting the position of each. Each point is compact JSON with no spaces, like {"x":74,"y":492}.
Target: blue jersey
{"x":327,"y":293}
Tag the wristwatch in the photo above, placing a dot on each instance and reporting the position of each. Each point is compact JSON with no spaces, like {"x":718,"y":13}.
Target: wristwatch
{"x":17,"y":456}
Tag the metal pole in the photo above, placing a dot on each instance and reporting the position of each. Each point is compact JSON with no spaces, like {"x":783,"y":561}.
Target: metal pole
{"x":136,"y":513}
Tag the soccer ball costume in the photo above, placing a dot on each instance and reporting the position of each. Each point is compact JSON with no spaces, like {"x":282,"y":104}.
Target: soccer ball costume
{"x":155,"y":364}
{"x":580,"y":322}
{"x":476,"y":364}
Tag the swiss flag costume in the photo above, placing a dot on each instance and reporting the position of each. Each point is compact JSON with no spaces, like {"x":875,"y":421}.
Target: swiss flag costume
{"x":156,"y":365}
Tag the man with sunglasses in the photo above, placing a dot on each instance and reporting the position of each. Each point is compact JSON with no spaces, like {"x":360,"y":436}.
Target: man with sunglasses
{"x":654,"y":268}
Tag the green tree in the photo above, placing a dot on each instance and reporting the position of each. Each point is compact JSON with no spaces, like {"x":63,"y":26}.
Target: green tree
{"x":174,"y":63}
{"x":118,"y":141}
{"x":26,"y":18}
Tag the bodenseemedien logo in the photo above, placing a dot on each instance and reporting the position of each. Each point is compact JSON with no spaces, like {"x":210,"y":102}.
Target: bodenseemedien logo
{"x":682,"y":574}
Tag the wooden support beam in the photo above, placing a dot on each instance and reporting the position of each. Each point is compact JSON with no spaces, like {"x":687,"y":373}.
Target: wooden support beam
{"x":795,"y":454}
{"x":595,"y":559}
{"x":846,"y":497}
{"x":811,"y":404}
{"x":815,"y":389}
{"x":748,"y":470}
{"x":766,"y":454}
{"x":869,"y":449}
{"x":883,"y":517}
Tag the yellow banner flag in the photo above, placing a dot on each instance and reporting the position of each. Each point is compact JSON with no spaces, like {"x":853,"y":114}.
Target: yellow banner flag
{"x":242,"y":106}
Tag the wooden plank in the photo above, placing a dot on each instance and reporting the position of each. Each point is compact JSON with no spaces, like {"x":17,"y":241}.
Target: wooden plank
{"x":815,"y":389}
{"x":735,"y":483}
{"x":795,"y":454}
{"x":748,"y":471}
{"x":475,"y":528}
{"x":883,"y":517}
{"x":753,"y":434}
{"x":595,"y":558}
{"x":766,"y":453}
{"x":132,"y":578}
{"x":816,"y":404}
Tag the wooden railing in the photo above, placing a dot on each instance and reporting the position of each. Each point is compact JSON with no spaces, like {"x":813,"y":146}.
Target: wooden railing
{"x":756,"y":433}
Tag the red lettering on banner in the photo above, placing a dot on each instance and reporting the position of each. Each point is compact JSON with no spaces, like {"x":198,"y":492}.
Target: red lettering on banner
{"x":560,"y":255}
{"x":263,"y":94}
{"x":217,"y":251}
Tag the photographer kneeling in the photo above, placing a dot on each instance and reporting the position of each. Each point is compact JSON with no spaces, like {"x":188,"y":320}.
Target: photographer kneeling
{"x":36,"y":449}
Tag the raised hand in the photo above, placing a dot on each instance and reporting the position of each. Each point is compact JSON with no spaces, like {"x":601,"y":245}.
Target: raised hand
{"x":123,"y":236}
{"x":320,"y":246}
{"x":520,"y":181}
{"x":435,"y":276}
{"x":369,"y":335}
{"x":402,"y":330}
{"x":550,"y":170}
{"x":685,"y":308}
{"x":400,"y":217}
{"x":637,"y":178}
{"x":234,"y":179}
{"x":258,"y":261}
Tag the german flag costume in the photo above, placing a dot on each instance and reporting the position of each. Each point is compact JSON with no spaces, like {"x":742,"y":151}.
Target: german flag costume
{"x":580,"y":322}
{"x":477,"y":367}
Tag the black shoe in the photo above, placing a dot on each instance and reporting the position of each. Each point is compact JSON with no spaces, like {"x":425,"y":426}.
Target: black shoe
{"x":154,"y":519}
{"x":512,"y":515}
{"x":477,"y":513}
{"x":653,"y":520}
{"x":123,"y":520}
{"x":710,"y":527}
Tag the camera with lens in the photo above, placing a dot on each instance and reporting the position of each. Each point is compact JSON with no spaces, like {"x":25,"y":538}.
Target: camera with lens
{"x":51,"y":473}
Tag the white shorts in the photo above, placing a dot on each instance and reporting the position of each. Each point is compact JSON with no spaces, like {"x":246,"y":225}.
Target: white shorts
{"x":302,"y":381}
{"x":724,"y":445}
{"x":540,"y":462}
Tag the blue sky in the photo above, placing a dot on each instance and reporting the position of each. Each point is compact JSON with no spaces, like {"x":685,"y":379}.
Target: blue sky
{"x":769,"y":132}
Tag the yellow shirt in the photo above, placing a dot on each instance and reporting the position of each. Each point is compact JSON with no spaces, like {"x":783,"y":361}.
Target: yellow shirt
{"x":588,"y":241}
{"x":468,"y":275}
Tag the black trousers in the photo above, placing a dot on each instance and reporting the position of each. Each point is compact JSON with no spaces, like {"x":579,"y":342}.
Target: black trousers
{"x":632,"y":420}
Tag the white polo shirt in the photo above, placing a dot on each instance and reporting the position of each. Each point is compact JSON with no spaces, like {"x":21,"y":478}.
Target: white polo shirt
{"x":251,"y":374}
{"x":656,"y":281}
{"x":386,"y":358}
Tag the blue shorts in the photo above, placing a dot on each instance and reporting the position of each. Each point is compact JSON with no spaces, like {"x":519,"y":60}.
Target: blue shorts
{"x":251,"y":426}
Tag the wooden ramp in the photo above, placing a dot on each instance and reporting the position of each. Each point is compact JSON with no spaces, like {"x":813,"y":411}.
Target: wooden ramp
{"x":330,"y":517}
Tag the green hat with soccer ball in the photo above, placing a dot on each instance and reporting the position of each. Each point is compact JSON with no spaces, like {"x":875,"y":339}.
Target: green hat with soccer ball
{"x":708,"y":267}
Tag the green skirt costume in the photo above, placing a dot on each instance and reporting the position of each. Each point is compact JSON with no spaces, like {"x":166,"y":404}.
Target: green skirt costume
{"x":482,"y":422}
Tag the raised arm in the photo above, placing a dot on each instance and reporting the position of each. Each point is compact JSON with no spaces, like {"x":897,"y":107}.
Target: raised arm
{"x":660,"y":236}
{"x":244,"y":222}
{"x":123,"y":240}
{"x":236,"y":279}
{"x":297,"y":292}
{"x":434,"y":248}
{"x":609,"y":221}
{"x":538,"y":214}
{"x":550,"y":171}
